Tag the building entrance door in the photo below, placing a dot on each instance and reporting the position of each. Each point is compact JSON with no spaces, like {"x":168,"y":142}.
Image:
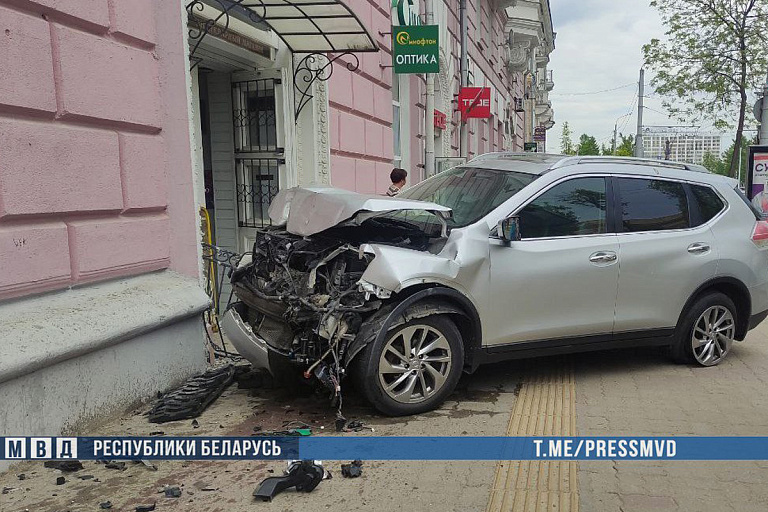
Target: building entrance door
{"x":259,"y":153}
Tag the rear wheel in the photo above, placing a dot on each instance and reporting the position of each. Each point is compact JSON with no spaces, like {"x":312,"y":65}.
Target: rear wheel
{"x":707,"y":332}
{"x":414,"y":368}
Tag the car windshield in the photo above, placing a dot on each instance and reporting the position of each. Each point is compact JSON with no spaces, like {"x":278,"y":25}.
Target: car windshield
{"x":471,"y":192}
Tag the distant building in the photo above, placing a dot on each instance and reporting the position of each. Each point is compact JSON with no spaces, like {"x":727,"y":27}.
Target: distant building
{"x":684,"y":144}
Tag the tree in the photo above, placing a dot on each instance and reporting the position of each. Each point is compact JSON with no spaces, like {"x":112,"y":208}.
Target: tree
{"x":627,"y":145}
{"x":715,"y":52}
{"x":587,"y":145}
{"x":566,"y":144}
{"x":720,"y":164}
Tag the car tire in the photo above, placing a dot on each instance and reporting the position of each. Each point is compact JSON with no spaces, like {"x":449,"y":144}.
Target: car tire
{"x":707,"y":331}
{"x":395,"y":382}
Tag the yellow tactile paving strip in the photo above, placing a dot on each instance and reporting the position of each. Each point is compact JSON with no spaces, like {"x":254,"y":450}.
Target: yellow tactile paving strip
{"x":546,"y":406}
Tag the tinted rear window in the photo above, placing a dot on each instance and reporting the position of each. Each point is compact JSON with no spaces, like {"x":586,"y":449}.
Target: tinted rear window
{"x":652,"y":205}
{"x":708,"y":201}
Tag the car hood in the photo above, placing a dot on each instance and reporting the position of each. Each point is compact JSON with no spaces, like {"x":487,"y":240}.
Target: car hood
{"x":306,"y":211}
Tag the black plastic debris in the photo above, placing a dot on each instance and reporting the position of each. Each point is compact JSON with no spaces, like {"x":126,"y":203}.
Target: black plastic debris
{"x":120,"y":466}
{"x":104,"y":505}
{"x":191,"y":399}
{"x":157,"y":433}
{"x":6,"y":490}
{"x":352,"y":470}
{"x":304,"y":475}
{"x":195,"y":424}
{"x":145,"y":508}
{"x":68,"y":466}
{"x":60,"y":480}
{"x":21,"y":476}
{"x":85,"y":477}
{"x":172,"y":492}
{"x":355,"y":426}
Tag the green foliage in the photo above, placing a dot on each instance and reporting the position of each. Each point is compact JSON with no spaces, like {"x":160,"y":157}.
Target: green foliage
{"x":720,"y":164}
{"x":587,"y":145}
{"x":627,"y":145}
{"x":715,"y":52}
{"x":566,"y":144}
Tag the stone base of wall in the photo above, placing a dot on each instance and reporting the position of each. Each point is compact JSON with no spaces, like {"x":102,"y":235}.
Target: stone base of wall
{"x":90,"y":372}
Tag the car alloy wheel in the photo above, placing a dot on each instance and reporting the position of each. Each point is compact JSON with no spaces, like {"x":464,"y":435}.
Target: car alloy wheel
{"x":414,"y":364}
{"x":712,"y":335}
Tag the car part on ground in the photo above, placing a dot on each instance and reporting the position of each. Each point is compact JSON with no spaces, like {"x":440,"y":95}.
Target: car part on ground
{"x":304,"y":475}
{"x":352,"y":470}
{"x":192,"y":398}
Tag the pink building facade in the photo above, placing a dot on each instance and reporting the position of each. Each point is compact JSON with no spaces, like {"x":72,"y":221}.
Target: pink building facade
{"x":121,"y":119}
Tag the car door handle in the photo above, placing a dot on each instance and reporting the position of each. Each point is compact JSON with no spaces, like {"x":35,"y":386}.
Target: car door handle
{"x":698,"y":248}
{"x":603,"y":257}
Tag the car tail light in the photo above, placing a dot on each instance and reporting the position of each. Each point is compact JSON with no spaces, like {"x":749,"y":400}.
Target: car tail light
{"x":760,"y":234}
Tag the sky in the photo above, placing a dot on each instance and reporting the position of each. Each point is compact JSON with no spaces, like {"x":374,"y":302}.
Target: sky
{"x":598,"y":47}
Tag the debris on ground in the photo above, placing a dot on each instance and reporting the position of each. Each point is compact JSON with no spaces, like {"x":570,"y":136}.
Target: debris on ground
{"x":195,"y":424}
{"x":21,"y":476}
{"x":149,"y":464}
{"x":105,"y":505}
{"x":145,"y":508}
{"x":157,"y":433}
{"x":193,"y":397}
{"x":304,"y":475}
{"x":249,"y":378}
{"x":85,"y":477}
{"x":120,"y":466}
{"x":60,"y":480}
{"x":67,"y":466}
{"x":172,"y":491}
{"x":352,"y":470}
{"x":6,"y":490}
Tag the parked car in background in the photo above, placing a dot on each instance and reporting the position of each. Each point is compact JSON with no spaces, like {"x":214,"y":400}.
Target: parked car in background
{"x":507,"y":256}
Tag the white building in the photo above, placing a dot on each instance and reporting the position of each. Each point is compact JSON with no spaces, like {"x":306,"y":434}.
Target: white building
{"x":684,"y":144}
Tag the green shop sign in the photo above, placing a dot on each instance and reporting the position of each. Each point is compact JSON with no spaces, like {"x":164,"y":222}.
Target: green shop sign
{"x":416,"y":49}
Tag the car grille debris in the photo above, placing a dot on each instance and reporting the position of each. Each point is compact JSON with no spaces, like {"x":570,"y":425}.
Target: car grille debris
{"x":192,"y":398}
{"x":67,"y":466}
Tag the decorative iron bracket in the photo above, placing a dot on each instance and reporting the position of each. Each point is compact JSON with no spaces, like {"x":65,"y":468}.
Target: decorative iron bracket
{"x":200,"y":27}
{"x":311,"y":68}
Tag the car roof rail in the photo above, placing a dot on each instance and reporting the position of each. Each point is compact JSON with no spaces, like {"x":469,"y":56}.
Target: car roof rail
{"x":670,"y":164}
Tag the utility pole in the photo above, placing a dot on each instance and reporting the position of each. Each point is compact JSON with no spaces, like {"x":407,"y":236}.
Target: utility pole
{"x":762,"y":137}
{"x":429,"y":114}
{"x":639,"y":152}
{"x":464,"y":70}
{"x":613,"y":146}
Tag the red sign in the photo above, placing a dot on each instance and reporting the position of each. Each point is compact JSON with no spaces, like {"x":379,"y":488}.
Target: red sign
{"x":440,"y":120}
{"x":475,"y":102}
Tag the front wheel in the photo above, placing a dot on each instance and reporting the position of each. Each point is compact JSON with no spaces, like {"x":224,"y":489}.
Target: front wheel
{"x":413,"y":368}
{"x":707,"y":332}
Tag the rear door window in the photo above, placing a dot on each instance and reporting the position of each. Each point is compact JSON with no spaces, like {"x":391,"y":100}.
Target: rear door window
{"x":652,"y":205}
{"x":708,"y":201}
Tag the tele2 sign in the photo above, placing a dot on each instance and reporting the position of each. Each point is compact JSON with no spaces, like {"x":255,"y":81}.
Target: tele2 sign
{"x":416,"y":49}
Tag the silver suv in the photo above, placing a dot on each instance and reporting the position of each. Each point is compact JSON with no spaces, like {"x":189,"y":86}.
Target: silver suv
{"x":508,"y":256}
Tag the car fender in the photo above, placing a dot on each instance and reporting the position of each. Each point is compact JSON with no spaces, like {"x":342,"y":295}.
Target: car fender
{"x":419,"y":304}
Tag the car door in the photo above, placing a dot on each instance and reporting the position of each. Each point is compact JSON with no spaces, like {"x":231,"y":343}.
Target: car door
{"x":664,"y":254}
{"x":560,"y":279}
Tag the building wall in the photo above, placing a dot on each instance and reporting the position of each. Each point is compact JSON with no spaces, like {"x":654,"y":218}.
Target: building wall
{"x":361,"y":101}
{"x":95,"y":177}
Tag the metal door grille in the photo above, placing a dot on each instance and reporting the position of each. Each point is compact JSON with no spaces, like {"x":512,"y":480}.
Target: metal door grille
{"x":257,"y":185}
{"x":253,"y":102}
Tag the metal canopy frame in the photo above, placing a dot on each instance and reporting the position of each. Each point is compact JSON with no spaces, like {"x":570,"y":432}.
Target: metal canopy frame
{"x":313,"y":27}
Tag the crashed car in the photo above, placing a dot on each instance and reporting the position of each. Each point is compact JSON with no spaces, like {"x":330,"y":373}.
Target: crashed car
{"x":507,"y":256}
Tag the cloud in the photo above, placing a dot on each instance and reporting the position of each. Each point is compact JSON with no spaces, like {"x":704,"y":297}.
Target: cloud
{"x":598,"y":47}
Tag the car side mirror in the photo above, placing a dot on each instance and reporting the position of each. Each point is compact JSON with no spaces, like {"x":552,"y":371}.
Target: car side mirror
{"x":509,"y":229}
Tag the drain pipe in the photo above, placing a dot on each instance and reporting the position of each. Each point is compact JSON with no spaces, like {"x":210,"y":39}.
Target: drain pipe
{"x":429,"y":110}
{"x":464,"y":71}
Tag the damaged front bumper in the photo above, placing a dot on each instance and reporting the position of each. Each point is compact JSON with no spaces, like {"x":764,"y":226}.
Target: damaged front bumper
{"x":248,"y":344}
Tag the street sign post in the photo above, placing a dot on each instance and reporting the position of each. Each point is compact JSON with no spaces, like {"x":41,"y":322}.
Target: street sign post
{"x":475,"y":102}
{"x":416,"y":49}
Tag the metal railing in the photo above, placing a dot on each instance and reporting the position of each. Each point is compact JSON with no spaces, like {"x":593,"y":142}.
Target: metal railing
{"x":256,"y":186}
